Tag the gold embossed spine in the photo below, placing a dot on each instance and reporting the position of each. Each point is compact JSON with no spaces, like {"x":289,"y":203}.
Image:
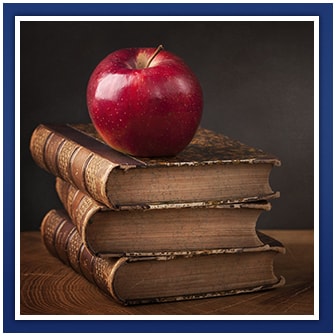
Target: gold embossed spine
{"x":63,"y":241}
{"x":37,"y":145}
{"x":79,"y":207}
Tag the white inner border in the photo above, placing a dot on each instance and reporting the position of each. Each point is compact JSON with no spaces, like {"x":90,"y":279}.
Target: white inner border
{"x":315,"y":19}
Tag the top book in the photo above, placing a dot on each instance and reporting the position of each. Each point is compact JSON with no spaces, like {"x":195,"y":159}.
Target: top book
{"x":213,"y":168}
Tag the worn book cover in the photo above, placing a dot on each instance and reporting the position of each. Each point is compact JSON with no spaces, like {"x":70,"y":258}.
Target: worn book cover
{"x":139,"y":280}
{"x":160,"y":228}
{"x":212,"y":167}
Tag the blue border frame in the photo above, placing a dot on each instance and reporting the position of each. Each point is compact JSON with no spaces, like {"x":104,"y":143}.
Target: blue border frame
{"x":324,"y":324}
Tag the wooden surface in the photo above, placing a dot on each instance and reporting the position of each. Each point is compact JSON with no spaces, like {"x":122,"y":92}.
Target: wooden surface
{"x":49,"y":287}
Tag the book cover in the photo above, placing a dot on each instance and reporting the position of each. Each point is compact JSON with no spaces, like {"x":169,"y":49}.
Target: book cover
{"x":212,"y":167}
{"x":139,"y":280}
{"x":162,"y":228}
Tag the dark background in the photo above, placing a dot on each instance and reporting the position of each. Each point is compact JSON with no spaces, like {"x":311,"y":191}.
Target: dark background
{"x":257,"y":79}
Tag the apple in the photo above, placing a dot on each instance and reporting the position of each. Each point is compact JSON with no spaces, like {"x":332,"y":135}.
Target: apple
{"x":145,"y":102}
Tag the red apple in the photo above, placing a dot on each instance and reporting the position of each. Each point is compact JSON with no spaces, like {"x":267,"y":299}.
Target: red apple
{"x":145,"y":102}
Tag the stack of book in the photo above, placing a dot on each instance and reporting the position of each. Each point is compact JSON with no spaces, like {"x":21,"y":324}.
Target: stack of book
{"x":159,"y":229}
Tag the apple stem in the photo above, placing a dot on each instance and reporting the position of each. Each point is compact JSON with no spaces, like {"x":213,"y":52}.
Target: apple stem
{"x":158,"y":49}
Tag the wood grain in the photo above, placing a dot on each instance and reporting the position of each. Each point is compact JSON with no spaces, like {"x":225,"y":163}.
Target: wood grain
{"x":49,"y":287}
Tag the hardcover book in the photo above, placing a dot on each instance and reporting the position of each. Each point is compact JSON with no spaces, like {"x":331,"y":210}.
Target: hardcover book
{"x":212,"y":167}
{"x":163,"y":228}
{"x":138,"y":280}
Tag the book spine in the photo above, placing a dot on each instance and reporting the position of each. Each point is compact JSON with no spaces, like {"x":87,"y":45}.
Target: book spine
{"x":63,"y":241}
{"x":72,"y":162}
{"x":79,"y":207}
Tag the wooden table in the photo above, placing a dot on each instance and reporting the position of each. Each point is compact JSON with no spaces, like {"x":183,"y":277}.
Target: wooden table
{"x":49,"y":287}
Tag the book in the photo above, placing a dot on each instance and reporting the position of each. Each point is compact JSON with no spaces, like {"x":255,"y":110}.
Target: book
{"x":139,"y":280}
{"x":160,"y":229}
{"x":212,"y":167}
